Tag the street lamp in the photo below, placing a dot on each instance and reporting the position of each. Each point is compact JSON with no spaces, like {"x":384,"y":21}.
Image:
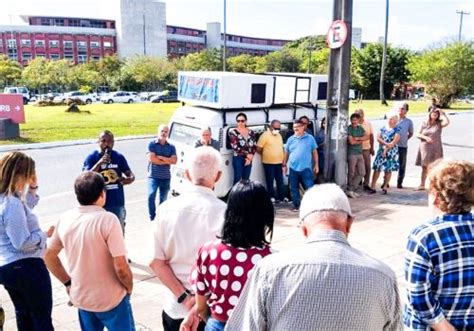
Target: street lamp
{"x":311,"y":48}
{"x":384,"y":57}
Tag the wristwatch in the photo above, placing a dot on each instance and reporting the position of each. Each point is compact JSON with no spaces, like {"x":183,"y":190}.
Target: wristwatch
{"x":183,"y":296}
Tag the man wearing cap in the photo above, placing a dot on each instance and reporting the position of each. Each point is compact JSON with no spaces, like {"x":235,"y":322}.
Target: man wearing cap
{"x":405,"y":130}
{"x":323,"y":285}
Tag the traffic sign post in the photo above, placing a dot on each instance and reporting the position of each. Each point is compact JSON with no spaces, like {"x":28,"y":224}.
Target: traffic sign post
{"x":339,"y":41}
{"x":12,"y":114}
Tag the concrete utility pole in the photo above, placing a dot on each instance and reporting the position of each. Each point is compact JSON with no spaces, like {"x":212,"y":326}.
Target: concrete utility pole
{"x":462,"y":13}
{"x":224,"y":50}
{"x":335,"y":168}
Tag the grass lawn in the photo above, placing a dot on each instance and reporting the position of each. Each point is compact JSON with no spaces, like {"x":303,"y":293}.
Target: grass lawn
{"x":45,"y":124}
{"x":373,"y":108}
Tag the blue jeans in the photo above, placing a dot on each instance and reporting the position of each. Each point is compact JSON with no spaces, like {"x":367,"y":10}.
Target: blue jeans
{"x":121,"y":214}
{"x":214,"y":325}
{"x":119,"y":318}
{"x":153,"y":185}
{"x":28,"y":283}
{"x":241,"y":171}
{"x":304,"y":177}
{"x":274,"y":172}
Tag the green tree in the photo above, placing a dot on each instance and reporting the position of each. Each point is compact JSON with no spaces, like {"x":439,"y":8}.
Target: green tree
{"x":282,"y":61}
{"x":246,"y":63}
{"x":109,"y":69}
{"x":148,"y":73}
{"x":206,"y":60}
{"x":35,"y":75}
{"x":83,"y":75}
{"x":10,"y":71}
{"x":447,"y":72}
{"x":365,"y":69}
{"x":319,"y":62}
{"x":58,"y":74}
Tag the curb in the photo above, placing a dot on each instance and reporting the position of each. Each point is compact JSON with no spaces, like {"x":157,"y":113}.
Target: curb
{"x":55,"y":144}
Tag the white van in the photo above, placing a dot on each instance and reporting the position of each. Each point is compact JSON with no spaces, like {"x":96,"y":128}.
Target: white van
{"x":188,"y":121}
{"x":19,"y":90}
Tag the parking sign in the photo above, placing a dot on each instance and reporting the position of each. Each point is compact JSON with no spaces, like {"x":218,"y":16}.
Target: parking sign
{"x":337,"y":34}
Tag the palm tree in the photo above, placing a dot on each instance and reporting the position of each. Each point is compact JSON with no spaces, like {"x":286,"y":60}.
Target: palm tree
{"x":384,"y":57}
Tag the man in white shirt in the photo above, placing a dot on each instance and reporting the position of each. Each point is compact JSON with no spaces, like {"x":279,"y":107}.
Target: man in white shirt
{"x":184,"y":224}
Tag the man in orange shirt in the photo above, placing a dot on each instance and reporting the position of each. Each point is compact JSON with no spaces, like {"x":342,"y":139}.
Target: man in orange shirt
{"x":99,"y":280}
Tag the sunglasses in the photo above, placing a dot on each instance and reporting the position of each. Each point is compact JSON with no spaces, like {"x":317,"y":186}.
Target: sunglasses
{"x":241,"y":121}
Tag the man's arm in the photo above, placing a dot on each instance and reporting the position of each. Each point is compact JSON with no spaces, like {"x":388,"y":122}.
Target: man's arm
{"x":123,"y":272}
{"x":410,"y":130}
{"x":371,"y":139}
{"x":129,"y":177}
{"x":54,"y":264}
{"x":315,"y":161}
{"x":165,"y":274}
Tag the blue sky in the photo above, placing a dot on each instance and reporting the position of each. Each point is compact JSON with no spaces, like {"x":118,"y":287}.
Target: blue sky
{"x":415,"y":24}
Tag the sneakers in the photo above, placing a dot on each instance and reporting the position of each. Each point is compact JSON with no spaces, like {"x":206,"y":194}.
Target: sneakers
{"x":286,"y":200}
{"x":352,"y":194}
{"x":399,"y":186}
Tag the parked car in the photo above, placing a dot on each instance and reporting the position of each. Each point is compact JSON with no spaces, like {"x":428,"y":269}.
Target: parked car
{"x":19,"y":90}
{"x":120,"y":96}
{"x":171,"y":96}
{"x":87,"y":98}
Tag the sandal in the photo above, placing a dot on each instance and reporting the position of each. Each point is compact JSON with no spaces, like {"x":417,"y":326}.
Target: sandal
{"x":420,"y":188}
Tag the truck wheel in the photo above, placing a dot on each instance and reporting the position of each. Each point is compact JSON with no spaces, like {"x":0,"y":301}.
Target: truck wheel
{"x":88,"y":101}
{"x":110,"y":101}
{"x":130,"y":101}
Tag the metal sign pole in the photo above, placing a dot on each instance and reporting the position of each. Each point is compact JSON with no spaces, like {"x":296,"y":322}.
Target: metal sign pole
{"x":335,"y":168}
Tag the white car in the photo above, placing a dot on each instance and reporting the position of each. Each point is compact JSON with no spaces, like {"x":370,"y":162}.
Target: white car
{"x":120,"y":96}
{"x":19,"y":90}
{"x":87,"y":98}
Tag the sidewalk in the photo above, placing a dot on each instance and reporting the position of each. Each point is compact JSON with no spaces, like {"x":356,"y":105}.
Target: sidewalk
{"x":381,"y":227}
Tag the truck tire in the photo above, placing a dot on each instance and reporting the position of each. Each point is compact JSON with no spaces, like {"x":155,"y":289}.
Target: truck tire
{"x":110,"y":101}
{"x":88,"y":101}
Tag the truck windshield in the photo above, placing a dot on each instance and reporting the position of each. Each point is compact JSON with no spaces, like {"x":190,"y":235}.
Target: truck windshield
{"x":184,"y":134}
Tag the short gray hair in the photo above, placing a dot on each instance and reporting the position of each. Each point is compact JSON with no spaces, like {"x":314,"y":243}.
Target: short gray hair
{"x":203,"y":164}
{"x":333,"y":216}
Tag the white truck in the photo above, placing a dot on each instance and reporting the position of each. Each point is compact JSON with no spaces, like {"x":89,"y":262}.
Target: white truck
{"x":19,"y":90}
{"x":213,"y":99}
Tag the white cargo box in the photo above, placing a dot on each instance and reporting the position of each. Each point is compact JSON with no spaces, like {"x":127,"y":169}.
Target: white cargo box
{"x":300,"y":88}
{"x":225,"y":90}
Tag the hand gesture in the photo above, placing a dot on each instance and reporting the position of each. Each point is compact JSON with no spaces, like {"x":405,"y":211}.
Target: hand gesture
{"x":105,"y":158}
{"x":50,"y":231}
{"x":428,"y":140}
{"x":190,"y":322}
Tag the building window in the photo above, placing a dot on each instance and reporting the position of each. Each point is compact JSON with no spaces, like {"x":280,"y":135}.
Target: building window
{"x":69,"y":56}
{"x":107,"y":44}
{"x":95,"y":57}
{"x":58,"y":22}
{"x":39,"y":43}
{"x":11,"y":43}
{"x":54,"y":43}
{"x":68,"y":44}
{"x":40,"y":55}
{"x":26,"y":56}
{"x":26,"y":42}
{"x":45,"y":21}
{"x":54,"y":56}
{"x":82,"y":58}
{"x":81,"y":44}
{"x":74,"y":22}
{"x":95,"y":44}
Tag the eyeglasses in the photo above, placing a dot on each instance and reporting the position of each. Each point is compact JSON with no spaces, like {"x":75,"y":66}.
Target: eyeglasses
{"x":241,"y":121}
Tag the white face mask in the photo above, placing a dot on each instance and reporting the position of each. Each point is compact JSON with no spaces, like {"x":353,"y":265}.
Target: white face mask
{"x":275,"y":132}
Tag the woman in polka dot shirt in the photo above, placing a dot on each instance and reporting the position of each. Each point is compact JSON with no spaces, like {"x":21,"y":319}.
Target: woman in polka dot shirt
{"x":223,"y":266}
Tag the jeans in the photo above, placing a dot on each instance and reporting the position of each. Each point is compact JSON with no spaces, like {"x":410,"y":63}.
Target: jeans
{"x":274,"y":172}
{"x":119,"y":318}
{"x":214,"y":325}
{"x":153,"y":185}
{"x":120,"y":212}
{"x":356,"y":171}
{"x":402,"y":159}
{"x":170,"y":324}
{"x":241,"y":171}
{"x":28,"y":283}
{"x":295,"y":177}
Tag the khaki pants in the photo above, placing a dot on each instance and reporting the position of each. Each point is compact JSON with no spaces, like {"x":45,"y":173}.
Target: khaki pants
{"x":356,"y":171}
{"x":367,"y":157}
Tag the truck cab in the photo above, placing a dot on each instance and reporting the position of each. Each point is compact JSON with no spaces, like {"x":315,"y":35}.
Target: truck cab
{"x":25,"y":93}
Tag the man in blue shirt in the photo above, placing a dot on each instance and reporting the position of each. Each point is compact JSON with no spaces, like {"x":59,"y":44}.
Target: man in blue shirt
{"x":301,"y":157}
{"x":115,"y":170}
{"x":161,"y":155}
{"x":405,"y":130}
